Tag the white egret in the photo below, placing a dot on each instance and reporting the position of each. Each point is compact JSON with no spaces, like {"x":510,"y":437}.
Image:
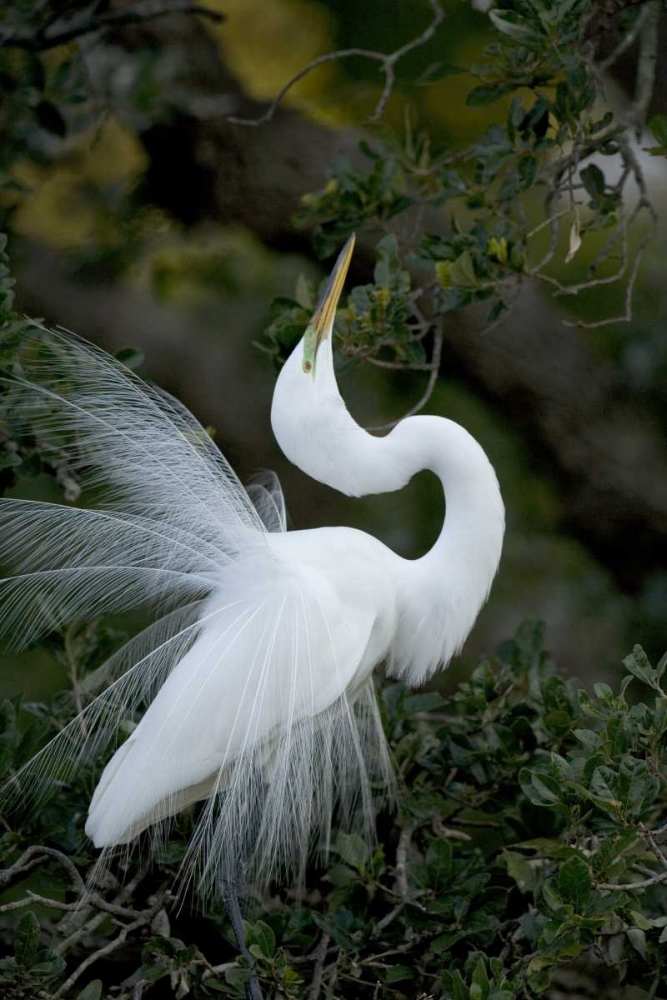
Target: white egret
{"x":252,"y":688}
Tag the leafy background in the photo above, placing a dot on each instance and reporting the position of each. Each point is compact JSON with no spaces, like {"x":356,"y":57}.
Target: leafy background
{"x":530,"y":803}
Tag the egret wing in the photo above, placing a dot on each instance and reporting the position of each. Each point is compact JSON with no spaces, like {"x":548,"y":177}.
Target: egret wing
{"x":152,"y":457}
{"x":263,"y":716}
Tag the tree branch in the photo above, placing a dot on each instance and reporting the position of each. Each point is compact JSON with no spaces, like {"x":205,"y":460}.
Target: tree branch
{"x":320,"y":959}
{"x":627,"y":886}
{"x":401,"y":871}
{"x":434,"y":369}
{"x":646,"y":67}
{"x":109,"y":947}
{"x":61,"y":29}
{"x":387,"y":63}
{"x":627,"y":41}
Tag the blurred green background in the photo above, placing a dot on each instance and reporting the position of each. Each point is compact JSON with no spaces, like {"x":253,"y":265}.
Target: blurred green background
{"x":96,"y":251}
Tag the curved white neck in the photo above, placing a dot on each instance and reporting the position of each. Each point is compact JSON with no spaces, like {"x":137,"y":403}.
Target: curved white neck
{"x":441,"y":593}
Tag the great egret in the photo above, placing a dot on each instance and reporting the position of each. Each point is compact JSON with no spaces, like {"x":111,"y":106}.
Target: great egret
{"x":252,"y":689}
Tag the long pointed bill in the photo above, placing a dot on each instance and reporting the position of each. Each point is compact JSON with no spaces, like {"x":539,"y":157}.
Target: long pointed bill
{"x":321,"y":324}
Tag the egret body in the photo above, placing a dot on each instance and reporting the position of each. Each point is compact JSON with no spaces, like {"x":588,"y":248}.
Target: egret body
{"x":252,"y":689}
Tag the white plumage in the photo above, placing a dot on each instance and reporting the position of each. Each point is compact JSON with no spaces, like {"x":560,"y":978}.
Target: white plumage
{"x":252,"y":689}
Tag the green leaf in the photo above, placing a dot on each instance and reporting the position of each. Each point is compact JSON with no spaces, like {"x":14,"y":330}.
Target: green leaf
{"x":588,"y":738}
{"x":509,"y":23}
{"x":130,"y":357}
{"x":10,"y":460}
{"x":658,"y":127}
{"x":305,"y":293}
{"x":353,"y":849}
{"x":641,"y":921}
{"x":637,"y":939}
{"x":527,"y":171}
{"x":541,"y":789}
{"x":462,"y":270}
{"x":438,"y":71}
{"x":93,"y":991}
{"x":26,"y":940}
{"x":456,"y":986}
{"x":428,"y":702}
{"x":487,"y":93}
{"x":637,"y":663}
{"x":262,"y":938}
{"x":438,"y":861}
{"x":593,"y":180}
{"x":603,"y":784}
{"x":520,"y":869}
{"x":398,"y":974}
{"x":480,"y":978}
{"x":575,"y":883}
{"x":661,"y":667}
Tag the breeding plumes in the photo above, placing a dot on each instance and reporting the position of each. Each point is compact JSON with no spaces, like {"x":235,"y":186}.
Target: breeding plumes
{"x":251,"y":690}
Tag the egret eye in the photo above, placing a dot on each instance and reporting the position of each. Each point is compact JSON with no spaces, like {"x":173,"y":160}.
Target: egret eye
{"x":310,"y":345}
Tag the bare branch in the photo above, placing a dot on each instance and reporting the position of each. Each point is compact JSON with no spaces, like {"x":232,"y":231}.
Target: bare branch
{"x":320,"y":959}
{"x":88,"y":924}
{"x":389,"y":917}
{"x":627,"y":41}
{"x":27,"y":861}
{"x":37,"y":855}
{"x":434,"y":369}
{"x":111,"y":946}
{"x":646,"y":66}
{"x":402,"y":885}
{"x":32,"y":898}
{"x":59,"y":30}
{"x":447,"y":833}
{"x":655,"y":846}
{"x":387,"y":63}
{"x":626,"y":886}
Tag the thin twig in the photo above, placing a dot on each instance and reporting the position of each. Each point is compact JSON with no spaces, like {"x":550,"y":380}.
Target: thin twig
{"x":646,"y":66}
{"x":655,"y":846}
{"x":434,"y":369}
{"x":627,"y":41}
{"x":402,"y":849}
{"x":387,"y":63}
{"x":447,"y":832}
{"x":389,"y":917}
{"x":21,"y":866}
{"x":90,"y":924}
{"x":34,"y":899}
{"x":626,"y":886}
{"x":109,"y":947}
{"x":320,"y":959}
{"x":37,"y":855}
{"x":58,"y":30}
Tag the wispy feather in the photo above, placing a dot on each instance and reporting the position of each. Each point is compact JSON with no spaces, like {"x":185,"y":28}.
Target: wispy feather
{"x":243,"y":690}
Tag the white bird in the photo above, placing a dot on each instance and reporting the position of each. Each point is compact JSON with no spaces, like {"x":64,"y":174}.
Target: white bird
{"x":252,"y":689}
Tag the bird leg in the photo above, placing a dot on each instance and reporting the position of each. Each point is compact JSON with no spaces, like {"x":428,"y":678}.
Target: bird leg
{"x":233,"y":887}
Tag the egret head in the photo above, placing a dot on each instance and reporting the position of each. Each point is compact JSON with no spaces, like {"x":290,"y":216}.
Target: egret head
{"x":308,"y":415}
{"x":320,"y":327}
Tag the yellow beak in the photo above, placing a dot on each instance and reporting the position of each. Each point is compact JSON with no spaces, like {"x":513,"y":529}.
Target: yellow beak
{"x":323,"y":317}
